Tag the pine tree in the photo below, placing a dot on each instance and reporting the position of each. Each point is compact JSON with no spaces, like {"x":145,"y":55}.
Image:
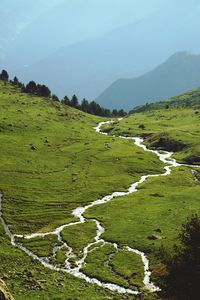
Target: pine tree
{"x":114,"y":113}
{"x":16,"y":81}
{"x":55,"y":98}
{"x":43,"y":91}
{"x":66,"y":101}
{"x":74,"y":101}
{"x":4,"y":75}
{"x":31,"y":88}
{"x":121,"y":113}
{"x":85,"y":105}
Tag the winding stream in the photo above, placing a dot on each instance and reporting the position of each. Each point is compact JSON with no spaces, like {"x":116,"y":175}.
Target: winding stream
{"x":78,"y":213}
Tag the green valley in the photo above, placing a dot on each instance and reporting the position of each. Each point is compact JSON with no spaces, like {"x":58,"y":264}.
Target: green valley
{"x":79,"y":228}
{"x":175,"y":130}
{"x":52,"y":162}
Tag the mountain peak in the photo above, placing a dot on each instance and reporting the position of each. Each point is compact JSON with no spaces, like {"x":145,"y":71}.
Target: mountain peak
{"x":180,"y":72}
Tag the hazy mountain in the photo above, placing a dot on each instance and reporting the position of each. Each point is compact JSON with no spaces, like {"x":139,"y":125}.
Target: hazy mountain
{"x":15,"y":16}
{"x":89,"y":67}
{"x":70,"y":22}
{"x":179,"y":73}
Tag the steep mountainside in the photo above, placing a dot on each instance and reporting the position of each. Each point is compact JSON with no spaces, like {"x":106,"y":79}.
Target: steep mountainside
{"x":179,"y":73}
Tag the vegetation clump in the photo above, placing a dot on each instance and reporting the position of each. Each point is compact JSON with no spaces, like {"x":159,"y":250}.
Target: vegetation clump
{"x":4,"y":75}
{"x":193,"y":159}
{"x":164,"y":142}
{"x":183,"y":267}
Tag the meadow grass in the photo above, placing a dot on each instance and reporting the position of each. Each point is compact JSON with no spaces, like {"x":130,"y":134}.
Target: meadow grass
{"x":98,"y":266}
{"x":120,"y":267}
{"x":41,"y":246}
{"x":159,"y":208}
{"x":178,"y":124}
{"x":69,"y":166}
{"x":52,"y":162}
{"x":60,"y":257}
{"x":129,"y":266}
{"x":79,"y":236}
{"x":27,"y":279}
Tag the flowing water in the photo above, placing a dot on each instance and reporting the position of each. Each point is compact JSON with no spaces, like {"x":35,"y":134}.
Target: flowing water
{"x":78,"y":213}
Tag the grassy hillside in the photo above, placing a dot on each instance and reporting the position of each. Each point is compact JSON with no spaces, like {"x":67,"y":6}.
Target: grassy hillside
{"x":161,"y":204}
{"x":53,"y":161}
{"x":190,"y":99}
{"x":159,"y":208}
{"x":175,"y":129}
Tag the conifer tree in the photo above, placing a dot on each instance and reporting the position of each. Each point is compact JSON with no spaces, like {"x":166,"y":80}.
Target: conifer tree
{"x":66,"y":101}
{"x":74,"y":101}
{"x":31,"y":87}
{"x":16,"y":81}
{"x":4,"y":75}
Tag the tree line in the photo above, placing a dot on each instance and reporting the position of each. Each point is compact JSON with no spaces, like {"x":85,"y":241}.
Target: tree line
{"x":92,"y":107}
{"x":42,"y":90}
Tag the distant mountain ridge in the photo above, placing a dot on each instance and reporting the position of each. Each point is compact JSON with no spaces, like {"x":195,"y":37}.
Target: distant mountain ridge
{"x":181,"y":72}
{"x":89,"y":67}
{"x":73,"y":22}
{"x":15,"y":17}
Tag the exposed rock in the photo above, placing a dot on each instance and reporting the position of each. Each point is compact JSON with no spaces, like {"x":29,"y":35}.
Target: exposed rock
{"x":4,"y":292}
{"x":158,"y":230}
{"x":107,"y":146}
{"x":31,"y":283}
{"x":42,"y":281}
{"x":33,"y":148}
{"x":154,"y":237}
{"x":196,"y":175}
{"x":141,"y":126}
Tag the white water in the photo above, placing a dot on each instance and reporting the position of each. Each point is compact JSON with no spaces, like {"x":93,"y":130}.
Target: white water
{"x":165,"y":157}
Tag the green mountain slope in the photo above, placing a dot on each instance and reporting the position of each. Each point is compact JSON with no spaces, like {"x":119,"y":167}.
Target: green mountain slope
{"x":53,"y":161}
{"x":161,"y":204}
{"x":175,"y":129}
{"x":176,"y":75}
{"x":191,"y":99}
